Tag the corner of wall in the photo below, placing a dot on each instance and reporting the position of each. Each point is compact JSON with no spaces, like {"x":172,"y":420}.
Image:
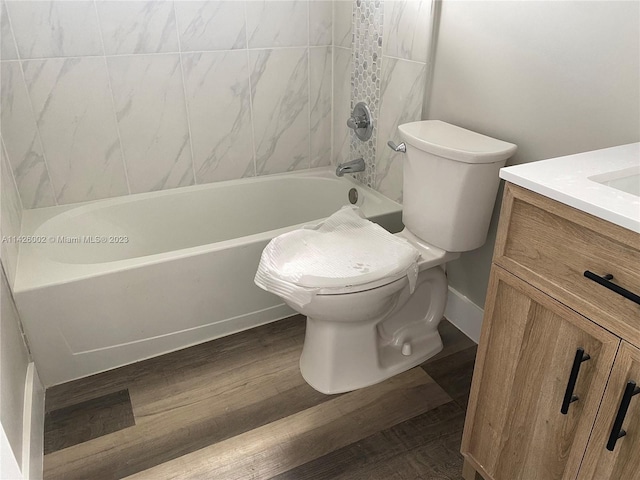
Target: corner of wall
{"x":33,"y":427}
{"x":22,"y":412}
{"x":33,"y":435}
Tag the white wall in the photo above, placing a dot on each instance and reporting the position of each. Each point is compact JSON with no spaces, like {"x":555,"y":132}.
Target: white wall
{"x":555,"y":78}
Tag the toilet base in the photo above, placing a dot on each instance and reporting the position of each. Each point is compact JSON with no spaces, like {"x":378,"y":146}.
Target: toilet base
{"x":341,"y":356}
{"x":352,"y":379}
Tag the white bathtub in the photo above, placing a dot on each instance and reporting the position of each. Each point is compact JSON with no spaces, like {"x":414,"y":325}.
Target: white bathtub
{"x":177,"y":267}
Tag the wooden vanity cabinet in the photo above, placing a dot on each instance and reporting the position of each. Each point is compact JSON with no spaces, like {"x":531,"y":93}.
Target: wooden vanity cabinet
{"x":514,"y":427}
{"x":557,"y":349}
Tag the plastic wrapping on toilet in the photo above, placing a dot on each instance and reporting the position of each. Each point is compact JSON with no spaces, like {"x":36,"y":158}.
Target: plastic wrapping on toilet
{"x":344,"y":250}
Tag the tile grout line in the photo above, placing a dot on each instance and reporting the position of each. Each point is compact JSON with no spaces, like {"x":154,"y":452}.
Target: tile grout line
{"x":54,"y":195}
{"x":333,"y":51}
{"x":169,"y":53}
{"x":352,"y":79}
{"x":378,"y":90}
{"x":253,"y":132}
{"x":184,"y":95}
{"x":113,"y":101}
{"x":403,"y":59}
{"x":309,"y":78}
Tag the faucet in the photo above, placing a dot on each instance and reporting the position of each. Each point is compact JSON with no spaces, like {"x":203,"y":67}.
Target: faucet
{"x":353,"y":166}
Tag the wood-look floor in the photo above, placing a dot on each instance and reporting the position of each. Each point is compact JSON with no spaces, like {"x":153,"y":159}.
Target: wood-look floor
{"x":238,"y":408}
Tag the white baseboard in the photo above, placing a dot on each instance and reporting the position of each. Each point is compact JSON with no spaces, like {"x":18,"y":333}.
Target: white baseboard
{"x":33,"y":426}
{"x":464,"y":314}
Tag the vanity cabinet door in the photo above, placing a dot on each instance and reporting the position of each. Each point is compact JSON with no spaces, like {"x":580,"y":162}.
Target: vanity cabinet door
{"x":530,"y":345}
{"x":607,"y":458}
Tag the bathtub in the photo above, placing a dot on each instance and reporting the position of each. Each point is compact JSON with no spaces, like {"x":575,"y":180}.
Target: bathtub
{"x":111,"y":282}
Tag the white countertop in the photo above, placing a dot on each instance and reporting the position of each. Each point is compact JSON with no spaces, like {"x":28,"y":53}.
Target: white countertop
{"x":569,"y":180}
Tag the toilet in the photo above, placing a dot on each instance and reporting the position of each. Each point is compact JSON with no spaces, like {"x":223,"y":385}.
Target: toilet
{"x":373,"y":300}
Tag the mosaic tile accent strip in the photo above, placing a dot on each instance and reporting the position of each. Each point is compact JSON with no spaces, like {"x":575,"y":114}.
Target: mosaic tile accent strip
{"x":365,"y":77}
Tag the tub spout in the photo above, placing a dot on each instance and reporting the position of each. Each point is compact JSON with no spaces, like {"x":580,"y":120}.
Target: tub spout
{"x":353,"y":166}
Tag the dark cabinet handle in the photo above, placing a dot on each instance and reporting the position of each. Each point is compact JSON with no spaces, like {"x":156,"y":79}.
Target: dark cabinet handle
{"x":569,"y":397}
{"x":604,"y":281}
{"x":617,"y":431}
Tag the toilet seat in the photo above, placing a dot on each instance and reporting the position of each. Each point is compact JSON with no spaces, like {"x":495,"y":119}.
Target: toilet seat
{"x":344,"y":254}
{"x":430,"y":256}
{"x":362,"y":287}
{"x":333,"y":285}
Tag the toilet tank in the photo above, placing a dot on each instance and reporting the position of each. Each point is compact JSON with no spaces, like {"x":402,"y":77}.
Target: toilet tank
{"x":450,"y":183}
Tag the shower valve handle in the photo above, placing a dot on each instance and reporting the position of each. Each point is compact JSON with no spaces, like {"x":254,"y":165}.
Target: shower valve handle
{"x":357,"y":122}
{"x":361,"y":122}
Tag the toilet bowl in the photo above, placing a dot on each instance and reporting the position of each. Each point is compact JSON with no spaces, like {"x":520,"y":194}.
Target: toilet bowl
{"x":377,"y":318}
{"x":359,"y":335}
{"x":354,"y":340}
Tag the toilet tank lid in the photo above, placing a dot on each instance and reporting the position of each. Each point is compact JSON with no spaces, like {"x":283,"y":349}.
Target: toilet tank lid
{"x":455,"y":143}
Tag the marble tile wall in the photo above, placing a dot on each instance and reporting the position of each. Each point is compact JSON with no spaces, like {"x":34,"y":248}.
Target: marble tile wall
{"x":405,"y":60}
{"x":10,"y":216}
{"x":103,"y":98}
{"x":389,"y":60}
{"x":342,"y":69}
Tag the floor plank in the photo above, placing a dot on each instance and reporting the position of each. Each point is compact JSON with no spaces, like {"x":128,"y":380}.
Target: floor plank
{"x":453,"y":373}
{"x":399,"y":450}
{"x":84,"y":421}
{"x":272,"y":449}
{"x":436,"y":460}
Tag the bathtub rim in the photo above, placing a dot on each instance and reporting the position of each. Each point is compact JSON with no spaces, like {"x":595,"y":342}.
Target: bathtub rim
{"x":32,"y":261}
